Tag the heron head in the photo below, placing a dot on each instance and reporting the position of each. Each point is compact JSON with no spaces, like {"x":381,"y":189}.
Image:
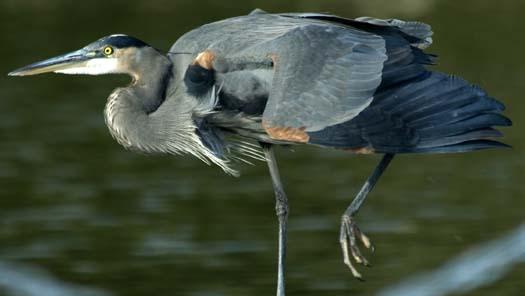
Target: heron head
{"x":109,"y":55}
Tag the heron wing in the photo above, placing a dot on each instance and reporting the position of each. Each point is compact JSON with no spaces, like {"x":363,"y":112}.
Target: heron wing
{"x":325,"y":69}
{"x":417,"y":33}
{"x":420,"y":31}
{"x":324,"y":75}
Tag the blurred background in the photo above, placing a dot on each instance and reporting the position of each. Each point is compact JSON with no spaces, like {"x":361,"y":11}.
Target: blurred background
{"x":75,"y":207}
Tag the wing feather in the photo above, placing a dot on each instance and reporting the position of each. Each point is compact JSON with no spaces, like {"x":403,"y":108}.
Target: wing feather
{"x":324,"y":75}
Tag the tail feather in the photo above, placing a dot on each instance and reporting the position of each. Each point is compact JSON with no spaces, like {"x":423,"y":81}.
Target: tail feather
{"x":448,"y":95}
{"x":435,"y":117}
{"x":449,"y":114}
{"x":434,"y":113}
{"x":473,"y":123}
{"x":408,"y":96}
{"x":463,"y":147}
{"x":451,"y":140}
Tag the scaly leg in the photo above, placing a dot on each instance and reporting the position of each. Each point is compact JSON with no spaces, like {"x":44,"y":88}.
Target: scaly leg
{"x":350,"y":233}
{"x":281,"y":207}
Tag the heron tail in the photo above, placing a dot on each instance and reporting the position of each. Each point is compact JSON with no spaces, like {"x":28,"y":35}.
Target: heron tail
{"x":447,"y":114}
{"x":434,"y":113}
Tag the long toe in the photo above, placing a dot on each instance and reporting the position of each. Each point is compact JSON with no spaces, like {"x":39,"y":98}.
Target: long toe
{"x":348,"y":262}
{"x":363,"y":238}
{"x":350,"y":234}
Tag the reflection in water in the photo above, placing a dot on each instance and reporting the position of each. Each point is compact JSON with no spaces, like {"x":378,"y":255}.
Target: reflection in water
{"x":476,"y":268}
{"x":21,"y":280}
{"x":157,"y":244}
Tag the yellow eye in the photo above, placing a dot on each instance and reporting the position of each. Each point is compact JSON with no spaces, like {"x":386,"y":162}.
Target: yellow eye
{"x":108,"y":50}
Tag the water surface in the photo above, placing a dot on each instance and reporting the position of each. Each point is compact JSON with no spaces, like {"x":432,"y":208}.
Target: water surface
{"x":77,"y":206}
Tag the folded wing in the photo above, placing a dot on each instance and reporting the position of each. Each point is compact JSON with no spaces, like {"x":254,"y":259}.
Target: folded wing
{"x":324,"y":75}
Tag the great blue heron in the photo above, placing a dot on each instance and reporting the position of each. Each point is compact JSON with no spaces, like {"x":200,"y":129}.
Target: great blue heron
{"x":287,"y":79}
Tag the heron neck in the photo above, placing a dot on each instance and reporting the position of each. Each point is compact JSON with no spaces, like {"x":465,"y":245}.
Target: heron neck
{"x":150,"y":83}
{"x":129,"y":111}
{"x":155,"y":114}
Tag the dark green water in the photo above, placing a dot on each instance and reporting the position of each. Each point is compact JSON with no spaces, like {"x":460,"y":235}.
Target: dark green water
{"x":74,"y":203}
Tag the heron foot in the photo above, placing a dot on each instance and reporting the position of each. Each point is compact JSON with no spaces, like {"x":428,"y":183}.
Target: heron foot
{"x":349,"y":236}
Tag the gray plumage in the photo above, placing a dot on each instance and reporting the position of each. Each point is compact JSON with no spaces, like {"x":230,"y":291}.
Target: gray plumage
{"x":229,"y":90}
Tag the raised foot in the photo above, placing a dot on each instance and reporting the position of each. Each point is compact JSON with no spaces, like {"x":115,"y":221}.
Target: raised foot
{"x":348,"y":238}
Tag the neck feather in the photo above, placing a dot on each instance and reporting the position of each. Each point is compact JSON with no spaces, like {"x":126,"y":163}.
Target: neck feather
{"x":153,"y":116}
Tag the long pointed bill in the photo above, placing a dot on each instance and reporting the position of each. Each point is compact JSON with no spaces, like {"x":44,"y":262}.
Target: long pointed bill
{"x":78,"y":62}
{"x":60,"y":64}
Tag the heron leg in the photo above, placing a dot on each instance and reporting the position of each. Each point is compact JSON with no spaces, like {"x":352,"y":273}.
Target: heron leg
{"x":281,"y":208}
{"x":350,"y":234}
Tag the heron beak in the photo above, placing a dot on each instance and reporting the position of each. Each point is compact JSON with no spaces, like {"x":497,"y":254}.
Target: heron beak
{"x":61,"y":64}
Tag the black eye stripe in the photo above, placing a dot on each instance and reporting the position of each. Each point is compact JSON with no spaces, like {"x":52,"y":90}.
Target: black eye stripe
{"x":122,"y":41}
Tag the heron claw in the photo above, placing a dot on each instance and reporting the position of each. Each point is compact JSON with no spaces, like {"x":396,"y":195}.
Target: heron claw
{"x":349,"y":236}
